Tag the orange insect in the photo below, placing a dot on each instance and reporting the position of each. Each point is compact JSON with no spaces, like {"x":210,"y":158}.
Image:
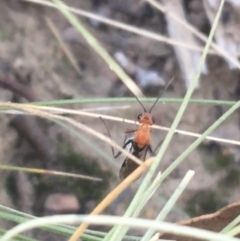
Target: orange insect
{"x":140,"y":143}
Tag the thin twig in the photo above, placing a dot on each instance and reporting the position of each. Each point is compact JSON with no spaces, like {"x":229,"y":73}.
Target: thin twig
{"x":18,"y":89}
{"x":30,"y":130}
{"x":28,"y":127}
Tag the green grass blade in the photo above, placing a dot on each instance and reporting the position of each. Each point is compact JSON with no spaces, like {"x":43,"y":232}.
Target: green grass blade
{"x":231,"y":225}
{"x":20,"y":217}
{"x":147,"y":195}
{"x":84,"y":139}
{"x":128,"y":100}
{"x":235,"y":231}
{"x":121,"y":231}
{"x":170,"y":203}
{"x":96,"y":46}
{"x":123,"y":221}
{"x":195,"y":144}
{"x":18,"y":237}
{"x":48,"y":172}
{"x":187,"y":96}
{"x":66,"y":231}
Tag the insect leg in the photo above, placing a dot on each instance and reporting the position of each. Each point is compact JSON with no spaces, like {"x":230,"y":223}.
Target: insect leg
{"x":109,"y":135}
{"x":124,"y":146}
{"x":130,"y":131}
{"x":153,"y":152}
{"x":159,"y":144}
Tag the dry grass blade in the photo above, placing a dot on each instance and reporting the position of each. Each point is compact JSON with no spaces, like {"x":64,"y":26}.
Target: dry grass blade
{"x":48,"y":172}
{"x":195,"y":31}
{"x":70,"y":175}
{"x":83,"y":113}
{"x":125,"y":27}
{"x":113,"y":195}
{"x":63,"y":45}
{"x":98,"y":48}
{"x":57,"y":110}
{"x":35,"y":111}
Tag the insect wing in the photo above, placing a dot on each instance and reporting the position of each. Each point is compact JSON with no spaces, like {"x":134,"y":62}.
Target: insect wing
{"x":129,"y":146}
{"x":128,"y":165}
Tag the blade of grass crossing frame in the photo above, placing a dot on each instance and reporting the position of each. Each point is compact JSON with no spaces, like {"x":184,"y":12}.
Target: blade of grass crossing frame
{"x":120,"y":231}
{"x":84,"y":139}
{"x":98,"y":48}
{"x":194,"y":145}
{"x":33,"y":110}
{"x":234,"y":232}
{"x":171,"y":202}
{"x":151,"y":190}
{"x":48,"y":172}
{"x":188,"y":94}
{"x":111,"y":220}
{"x":113,"y":195}
{"x":20,"y":217}
{"x":147,"y":195}
{"x":231,"y":225}
{"x":131,"y":99}
{"x":62,"y":230}
{"x":18,"y":237}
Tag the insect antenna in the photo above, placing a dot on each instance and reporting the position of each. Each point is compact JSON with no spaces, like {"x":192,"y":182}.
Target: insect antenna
{"x":141,"y":104}
{"x":162,"y":92}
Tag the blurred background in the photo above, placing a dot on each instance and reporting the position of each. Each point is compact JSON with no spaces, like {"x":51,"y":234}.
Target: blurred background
{"x":44,"y":58}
